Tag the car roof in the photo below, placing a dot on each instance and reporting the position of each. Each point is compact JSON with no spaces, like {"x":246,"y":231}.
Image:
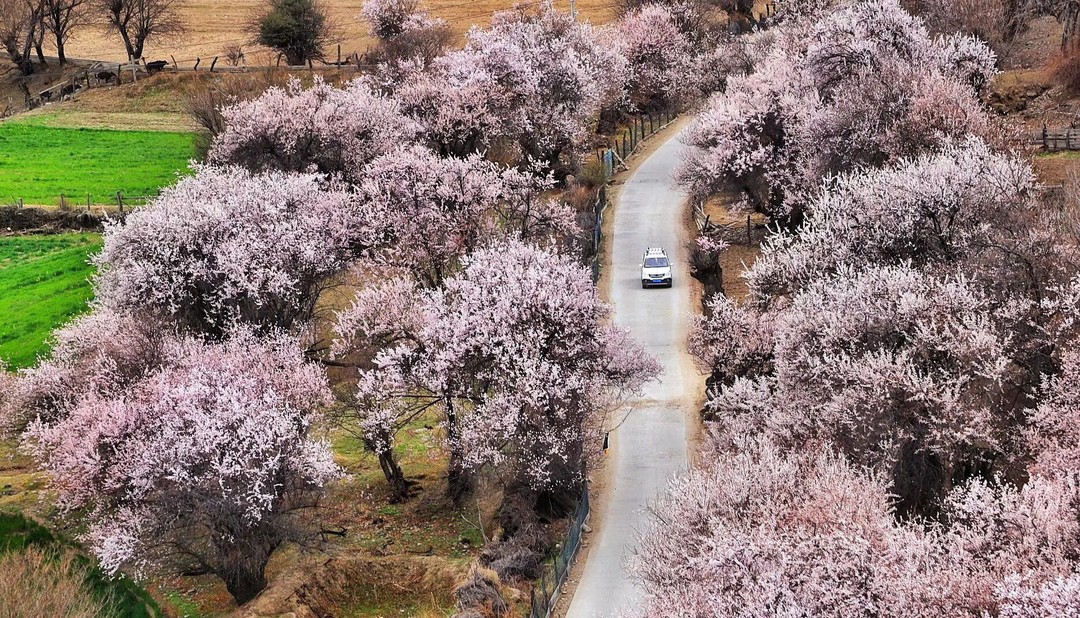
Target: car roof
{"x":655,"y":251}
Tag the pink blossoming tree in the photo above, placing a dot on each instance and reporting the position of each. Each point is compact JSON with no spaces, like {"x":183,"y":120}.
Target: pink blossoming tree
{"x":407,"y":34}
{"x":514,"y":354}
{"x":758,"y":531}
{"x":439,"y":209}
{"x":206,"y":463}
{"x":529,"y":84}
{"x":659,"y":55}
{"x":324,"y":129}
{"x":226,"y":246}
{"x":864,"y":85}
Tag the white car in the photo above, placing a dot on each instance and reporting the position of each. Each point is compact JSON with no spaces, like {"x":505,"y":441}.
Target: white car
{"x":655,"y":268}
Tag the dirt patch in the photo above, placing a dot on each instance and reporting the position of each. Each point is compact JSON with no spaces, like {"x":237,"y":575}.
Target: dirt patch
{"x":334,"y":586}
{"x":69,"y":116}
{"x":15,"y":220}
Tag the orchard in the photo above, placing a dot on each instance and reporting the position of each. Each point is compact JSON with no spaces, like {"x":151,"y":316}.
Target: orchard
{"x":890,"y":421}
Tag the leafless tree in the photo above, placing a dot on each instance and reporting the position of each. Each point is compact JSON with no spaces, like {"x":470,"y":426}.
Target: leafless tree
{"x":137,"y":21}
{"x":20,"y":22}
{"x":62,"y":18}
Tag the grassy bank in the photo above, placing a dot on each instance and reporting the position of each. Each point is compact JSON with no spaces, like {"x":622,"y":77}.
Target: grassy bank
{"x":38,"y":163}
{"x":43,"y":283}
{"x":121,"y":597}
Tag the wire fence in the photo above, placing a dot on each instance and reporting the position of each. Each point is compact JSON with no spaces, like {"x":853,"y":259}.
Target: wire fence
{"x":624,"y":145}
{"x":120,"y":204}
{"x":545,"y":592}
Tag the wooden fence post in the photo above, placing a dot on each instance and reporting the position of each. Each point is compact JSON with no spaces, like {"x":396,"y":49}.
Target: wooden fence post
{"x":197,"y":61}
{"x":339,"y":55}
{"x":176,"y":67}
{"x":213,"y":64}
{"x":87,"y":202}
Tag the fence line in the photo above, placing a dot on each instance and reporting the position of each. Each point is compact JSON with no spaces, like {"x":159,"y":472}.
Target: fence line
{"x":1055,"y":140}
{"x":124,"y":204}
{"x":615,"y":157}
{"x":546,"y":591}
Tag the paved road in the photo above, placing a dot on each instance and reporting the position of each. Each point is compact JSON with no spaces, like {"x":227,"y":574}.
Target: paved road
{"x":651,"y":445}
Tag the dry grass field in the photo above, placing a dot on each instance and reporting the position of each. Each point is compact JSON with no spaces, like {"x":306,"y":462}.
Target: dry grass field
{"x":212,"y":25}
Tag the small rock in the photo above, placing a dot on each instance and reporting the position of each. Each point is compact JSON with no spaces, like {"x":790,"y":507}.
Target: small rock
{"x":586,"y":528}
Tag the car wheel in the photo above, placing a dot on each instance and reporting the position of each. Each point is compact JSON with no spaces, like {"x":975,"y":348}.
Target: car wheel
{"x":644,"y":285}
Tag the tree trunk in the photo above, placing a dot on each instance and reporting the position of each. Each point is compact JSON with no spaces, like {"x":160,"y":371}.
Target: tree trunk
{"x":458,"y":479}
{"x":60,"y":55}
{"x":39,"y":42}
{"x":295,"y":58}
{"x":245,"y":585}
{"x":122,"y":29}
{"x":399,"y":485}
{"x":243,"y":561}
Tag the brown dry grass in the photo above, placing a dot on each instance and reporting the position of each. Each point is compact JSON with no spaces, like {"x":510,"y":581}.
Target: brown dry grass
{"x":745,"y":248}
{"x":35,"y":583}
{"x":213,"y":25}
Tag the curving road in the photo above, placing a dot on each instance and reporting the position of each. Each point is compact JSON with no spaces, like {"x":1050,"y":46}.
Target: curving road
{"x":650,"y":447}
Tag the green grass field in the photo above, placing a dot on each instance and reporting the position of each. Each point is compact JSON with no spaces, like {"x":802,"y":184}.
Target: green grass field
{"x":38,"y":163}
{"x":43,"y":283}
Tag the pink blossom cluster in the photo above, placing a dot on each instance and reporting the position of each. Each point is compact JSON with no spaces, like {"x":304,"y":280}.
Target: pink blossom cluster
{"x":758,"y":531}
{"x":514,"y":350}
{"x":659,"y":54}
{"x":392,"y":18}
{"x":533,"y":82}
{"x":210,"y":450}
{"x":864,"y":84}
{"x":226,"y":245}
{"x":323,"y":129}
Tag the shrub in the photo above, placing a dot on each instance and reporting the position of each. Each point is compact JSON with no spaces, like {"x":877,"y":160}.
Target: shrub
{"x":299,"y":29}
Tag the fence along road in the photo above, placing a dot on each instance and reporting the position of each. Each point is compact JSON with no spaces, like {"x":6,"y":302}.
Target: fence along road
{"x":650,"y":447}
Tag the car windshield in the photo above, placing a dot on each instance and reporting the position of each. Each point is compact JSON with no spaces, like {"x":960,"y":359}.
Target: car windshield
{"x":656,"y":262}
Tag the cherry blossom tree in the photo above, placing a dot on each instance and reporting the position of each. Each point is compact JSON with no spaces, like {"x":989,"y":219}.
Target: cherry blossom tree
{"x":760,"y":531}
{"x":907,"y":323}
{"x":324,"y":129}
{"x":206,"y":464}
{"x":531,"y":82}
{"x":863,"y":85}
{"x":102,"y":352}
{"x":514,"y":354}
{"x":659,"y":55}
{"x":406,"y":32}
{"x":438,"y":209}
{"x":225,"y":245}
